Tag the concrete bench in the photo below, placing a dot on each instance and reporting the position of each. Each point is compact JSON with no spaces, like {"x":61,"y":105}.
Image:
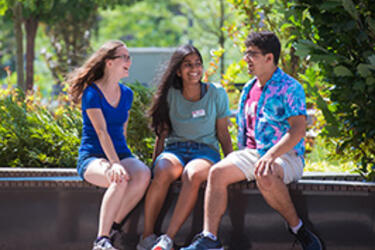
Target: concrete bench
{"x":55,"y":209}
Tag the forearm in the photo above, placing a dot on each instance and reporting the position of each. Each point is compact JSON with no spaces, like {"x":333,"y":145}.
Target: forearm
{"x":158,"y":148}
{"x":226,"y":143}
{"x":108,"y":147}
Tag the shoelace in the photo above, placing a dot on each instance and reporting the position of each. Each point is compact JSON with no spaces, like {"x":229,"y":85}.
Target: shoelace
{"x":196,"y":238}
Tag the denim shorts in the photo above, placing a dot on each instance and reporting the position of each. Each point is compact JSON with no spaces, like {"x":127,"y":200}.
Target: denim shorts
{"x":84,"y":158}
{"x":190,"y":150}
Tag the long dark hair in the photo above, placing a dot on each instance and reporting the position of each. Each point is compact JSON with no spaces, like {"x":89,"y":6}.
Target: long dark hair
{"x":159,"y":111}
{"x":92,"y":70}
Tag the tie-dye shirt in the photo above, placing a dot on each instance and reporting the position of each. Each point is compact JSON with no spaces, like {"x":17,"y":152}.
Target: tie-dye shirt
{"x":282,"y":97}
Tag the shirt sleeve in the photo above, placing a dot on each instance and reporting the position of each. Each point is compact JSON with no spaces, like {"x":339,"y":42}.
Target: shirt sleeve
{"x":295,"y":100}
{"x":129,"y":97}
{"x":90,"y":99}
{"x":222,"y":103}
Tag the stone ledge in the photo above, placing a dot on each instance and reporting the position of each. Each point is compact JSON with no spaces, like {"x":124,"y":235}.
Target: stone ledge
{"x":75,"y":182}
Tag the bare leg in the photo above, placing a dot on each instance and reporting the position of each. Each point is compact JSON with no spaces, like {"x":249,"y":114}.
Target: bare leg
{"x":221,"y":175}
{"x":95,"y":174}
{"x":167,"y":170}
{"x":194,"y":174}
{"x":139,"y":179}
{"x":276,"y":194}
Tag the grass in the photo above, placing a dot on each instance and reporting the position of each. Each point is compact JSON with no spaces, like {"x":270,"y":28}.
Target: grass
{"x":320,"y":159}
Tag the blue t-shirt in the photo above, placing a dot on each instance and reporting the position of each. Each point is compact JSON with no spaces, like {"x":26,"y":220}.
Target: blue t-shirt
{"x":115,"y":119}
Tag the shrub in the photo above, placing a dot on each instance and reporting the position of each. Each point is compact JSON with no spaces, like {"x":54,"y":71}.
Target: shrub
{"x":339,"y":36}
{"x":140,"y":137}
{"x":33,"y":134}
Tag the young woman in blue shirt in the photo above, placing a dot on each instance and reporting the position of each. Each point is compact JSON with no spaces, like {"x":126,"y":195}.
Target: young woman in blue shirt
{"x":104,"y":157}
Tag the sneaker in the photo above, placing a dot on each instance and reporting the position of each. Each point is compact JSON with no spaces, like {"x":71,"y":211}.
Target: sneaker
{"x":308,"y":240}
{"x":115,"y":235}
{"x":103,"y":244}
{"x":163,"y":243}
{"x":119,"y":239}
{"x":201,"y":242}
{"x":146,"y":243}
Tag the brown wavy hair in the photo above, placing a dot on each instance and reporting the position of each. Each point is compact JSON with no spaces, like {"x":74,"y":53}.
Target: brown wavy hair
{"x":92,"y":70}
{"x":159,"y":111}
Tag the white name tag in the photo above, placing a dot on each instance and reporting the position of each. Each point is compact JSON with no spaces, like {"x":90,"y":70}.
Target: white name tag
{"x":198,"y":113}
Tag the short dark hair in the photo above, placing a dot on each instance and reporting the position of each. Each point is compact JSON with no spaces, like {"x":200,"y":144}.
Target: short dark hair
{"x":267,"y":42}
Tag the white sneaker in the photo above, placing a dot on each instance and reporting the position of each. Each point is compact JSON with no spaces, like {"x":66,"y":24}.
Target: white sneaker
{"x":146,"y":243}
{"x":163,"y":243}
{"x":103,"y":244}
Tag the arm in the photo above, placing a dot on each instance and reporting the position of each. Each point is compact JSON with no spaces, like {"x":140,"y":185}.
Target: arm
{"x":159,"y":145}
{"x":126,"y":126}
{"x":98,"y":121}
{"x":296,"y":132}
{"x":223,"y":135}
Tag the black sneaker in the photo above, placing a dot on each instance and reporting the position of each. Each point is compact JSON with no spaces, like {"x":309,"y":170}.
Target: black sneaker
{"x":118,"y":239}
{"x":201,"y":242}
{"x":308,"y":239}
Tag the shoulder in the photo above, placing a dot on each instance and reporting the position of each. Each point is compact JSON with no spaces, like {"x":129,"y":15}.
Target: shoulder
{"x":172,"y":92}
{"x":286,"y":82}
{"x":216,"y":88}
{"x":90,"y":92}
{"x":126,"y":89}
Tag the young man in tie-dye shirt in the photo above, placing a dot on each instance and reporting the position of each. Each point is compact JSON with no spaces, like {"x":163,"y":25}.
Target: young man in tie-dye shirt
{"x":272,"y":125}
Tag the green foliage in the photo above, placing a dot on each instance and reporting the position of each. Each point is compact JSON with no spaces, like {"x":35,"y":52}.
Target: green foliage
{"x":140,"y":138}
{"x":33,"y":136}
{"x":158,"y":26}
{"x":340,"y":37}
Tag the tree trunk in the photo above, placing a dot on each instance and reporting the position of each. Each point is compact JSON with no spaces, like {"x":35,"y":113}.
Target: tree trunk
{"x":31,"y":26}
{"x":17,"y":20}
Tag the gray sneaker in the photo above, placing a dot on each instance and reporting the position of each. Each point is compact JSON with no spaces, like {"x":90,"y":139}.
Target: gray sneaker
{"x":103,"y":244}
{"x":146,"y":243}
{"x":163,"y":243}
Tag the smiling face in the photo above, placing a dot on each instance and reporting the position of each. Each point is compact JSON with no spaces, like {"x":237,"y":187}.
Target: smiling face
{"x":120,"y":62}
{"x":191,"y":69}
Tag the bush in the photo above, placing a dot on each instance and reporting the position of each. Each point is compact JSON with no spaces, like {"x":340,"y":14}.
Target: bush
{"x":140,"y":137}
{"x":339,"y":36}
{"x":34,"y":135}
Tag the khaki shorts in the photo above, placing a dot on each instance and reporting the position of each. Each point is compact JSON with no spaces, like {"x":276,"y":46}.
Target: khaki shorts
{"x":245,"y":159}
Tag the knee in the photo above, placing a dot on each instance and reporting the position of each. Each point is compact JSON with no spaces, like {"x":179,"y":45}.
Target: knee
{"x":266,"y":182}
{"x":144,"y":176}
{"x":193,"y":178}
{"x":119,"y":186}
{"x":164,"y":176}
{"x":216,"y":176}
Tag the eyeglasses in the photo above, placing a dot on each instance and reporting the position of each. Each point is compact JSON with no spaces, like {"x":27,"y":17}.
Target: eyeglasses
{"x":192,"y":65}
{"x":252,"y":53}
{"x":126,"y":58}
